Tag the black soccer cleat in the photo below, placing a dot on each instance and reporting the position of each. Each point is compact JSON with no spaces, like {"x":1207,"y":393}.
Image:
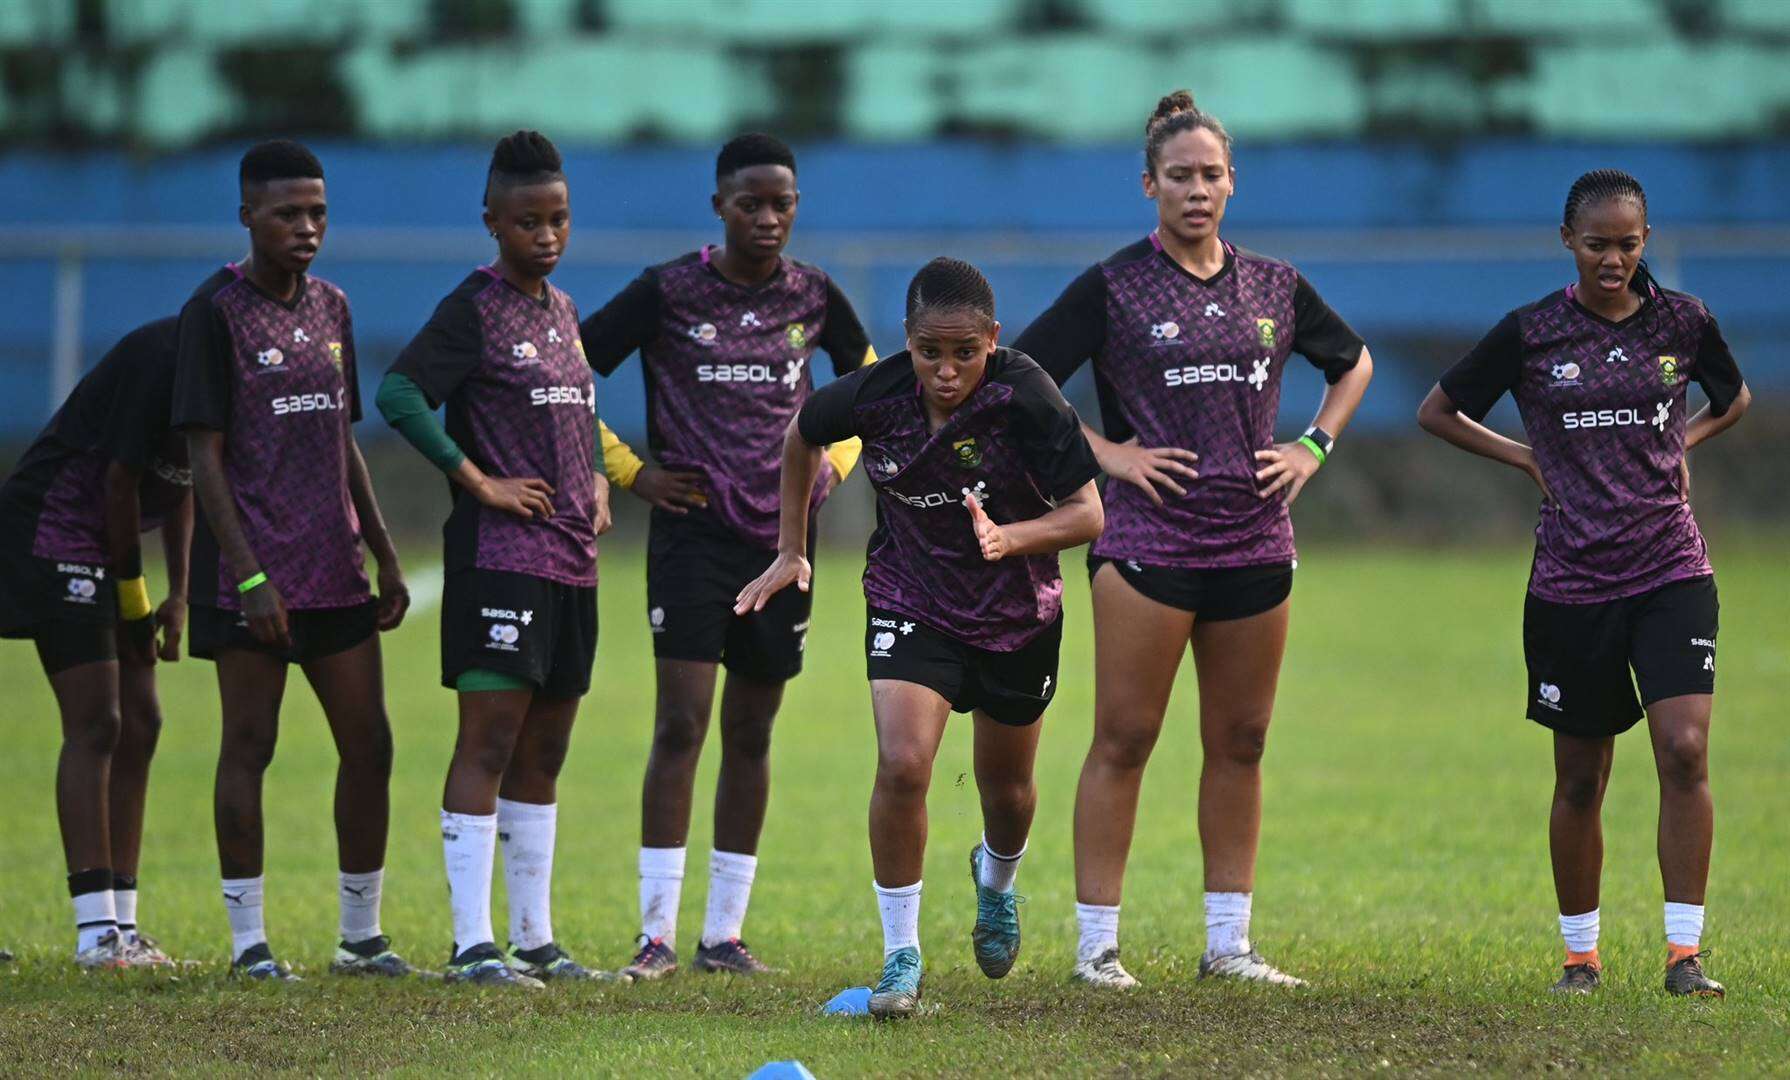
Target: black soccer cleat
{"x":1685,"y":978}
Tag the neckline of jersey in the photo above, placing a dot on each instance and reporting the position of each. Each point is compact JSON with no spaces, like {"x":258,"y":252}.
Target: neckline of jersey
{"x":298,"y":294}
{"x":708,"y":263}
{"x":1230,"y":261}
{"x":1572,"y":297}
{"x":544,"y":303}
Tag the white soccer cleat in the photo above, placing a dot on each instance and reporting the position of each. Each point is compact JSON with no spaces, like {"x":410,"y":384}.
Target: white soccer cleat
{"x":1104,"y":971}
{"x":107,"y":954}
{"x":1248,"y":966}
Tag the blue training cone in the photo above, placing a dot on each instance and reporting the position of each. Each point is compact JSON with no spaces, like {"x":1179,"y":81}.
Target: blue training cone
{"x":852,"y":1002}
{"x":782,"y":1070}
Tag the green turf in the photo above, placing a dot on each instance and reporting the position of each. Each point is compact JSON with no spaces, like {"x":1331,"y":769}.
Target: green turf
{"x":1403,"y":870}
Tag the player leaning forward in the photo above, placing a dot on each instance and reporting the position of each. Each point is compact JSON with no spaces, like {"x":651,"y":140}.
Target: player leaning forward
{"x":982,"y":475}
{"x":265,"y":390}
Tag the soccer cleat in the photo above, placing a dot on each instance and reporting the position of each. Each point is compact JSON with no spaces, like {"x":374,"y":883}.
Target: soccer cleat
{"x":1685,"y":978}
{"x":995,"y":940}
{"x":655,"y":960}
{"x":141,"y":951}
{"x":5,"y":956}
{"x":373,"y":956}
{"x":1104,"y":971}
{"x":730,"y":955}
{"x":483,"y":965}
{"x":106,"y":954}
{"x":897,"y":993}
{"x":549,"y":963}
{"x":1248,"y":966}
{"x":1579,"y":979}
{"x":257,"y":962}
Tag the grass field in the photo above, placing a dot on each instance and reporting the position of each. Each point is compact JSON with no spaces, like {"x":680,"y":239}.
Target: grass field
{"x":1404,"y":871}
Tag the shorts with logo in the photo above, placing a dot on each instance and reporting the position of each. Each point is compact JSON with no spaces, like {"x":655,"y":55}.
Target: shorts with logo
{"x":543,"y":632}
{"x":1216,"y":595}
{"x":1579,"y":655}
{"x":68,"y":608}
{"x":315,"y":632}
{"x":695,"y":569}
{"x":1011,"y":687}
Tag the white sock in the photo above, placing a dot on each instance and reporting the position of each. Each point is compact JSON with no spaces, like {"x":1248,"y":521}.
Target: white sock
{"x":998,"y":871}
{"x":661,"y":887}
{"x":1227,"y":923}
{"x":242,"y":903}
{"x":730,"y":890}
{"x":1099,"y":930}
{"x":124,"y":902}
{"x":900,"y":908}
{"x":526,"y":831}
{"x":469,"y":842}
{"x":95,"y":917}
{"x":1580,"y":931}
{"x":357,"y":897}
{"x":1684,"y":924}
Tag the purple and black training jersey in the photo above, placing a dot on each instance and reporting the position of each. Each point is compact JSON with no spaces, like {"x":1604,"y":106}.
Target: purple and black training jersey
{"x":520,"y":403}
{"x":1196,"y":363}
{"x":726,"y":368}
{"x":1604,"y":407}
{"x":278,"y":379}
{"x":1014,"y":443}
{"x":53,"y":506}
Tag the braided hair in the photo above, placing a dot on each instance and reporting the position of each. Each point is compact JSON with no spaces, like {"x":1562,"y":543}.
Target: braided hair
{"x":1174,"y":114}
{"x":1603,"y":185}
{"x":278,"y":159}
{"x":752,"y":148}
{"x":947,"y":285}
{"x":521,"y":159}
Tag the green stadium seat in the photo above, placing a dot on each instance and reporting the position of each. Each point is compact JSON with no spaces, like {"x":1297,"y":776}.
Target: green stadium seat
{"x":1427,"y":96}
{"x":92,"y":93}
{"x":1249,"y":84}
{"x":795,"y":21}
{"x":1069,"y":87}
{"x":1725,"y":94}
{"x":1553,"y":19}
{"x":33,"y":23}
{"x":546,"y":18}
{"x":1176,"y":16}
{"x":1755,"y":17}
{"x":1377,"y":20}
{"x":180,"y":97}
{"x":235,"y":22}
{"x":891,"y":92}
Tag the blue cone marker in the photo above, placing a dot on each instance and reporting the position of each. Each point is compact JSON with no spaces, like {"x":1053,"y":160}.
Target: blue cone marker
{"x":782,"y":1070}
{"x":852,"y":1002}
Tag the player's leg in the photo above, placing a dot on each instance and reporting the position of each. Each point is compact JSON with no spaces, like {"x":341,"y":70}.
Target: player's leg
{"x":742,"y":794}
{"x":527,"y":825}
{"x":1004,"y":757}
{"x":1138,"y":643}
{"x":1576,"y":846}
{"x":1679,"y":727}
{"x":251,"y":685}
{"x":141,"y":714}
{"x":1238,"y":661}
{"x":910,"y":722}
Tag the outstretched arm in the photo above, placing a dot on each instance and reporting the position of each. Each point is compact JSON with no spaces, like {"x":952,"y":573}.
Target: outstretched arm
{"x":801,"y":461}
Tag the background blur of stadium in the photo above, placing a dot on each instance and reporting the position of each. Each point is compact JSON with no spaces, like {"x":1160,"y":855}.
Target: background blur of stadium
{"x":1410,"y":155}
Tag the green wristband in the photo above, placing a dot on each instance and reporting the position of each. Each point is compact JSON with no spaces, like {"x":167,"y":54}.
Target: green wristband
{"x":260,"y":578}
{"x":1312,"y":444}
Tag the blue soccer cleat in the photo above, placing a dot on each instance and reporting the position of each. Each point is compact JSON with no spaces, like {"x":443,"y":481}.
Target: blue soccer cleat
{"x":996,"y":936}
{"x":897,"y":993}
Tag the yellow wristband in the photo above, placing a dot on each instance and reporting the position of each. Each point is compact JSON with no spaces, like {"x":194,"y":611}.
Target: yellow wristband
{"x":133,"y":599}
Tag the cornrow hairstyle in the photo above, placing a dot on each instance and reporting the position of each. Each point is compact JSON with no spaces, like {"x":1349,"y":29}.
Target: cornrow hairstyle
{"x":526,"y":157}
{"x":752,"y":148}
{"x":1602,"y":185}
{"x":278,"y":159}
{"x":949,"y":285}
{"x":1174,"y":114}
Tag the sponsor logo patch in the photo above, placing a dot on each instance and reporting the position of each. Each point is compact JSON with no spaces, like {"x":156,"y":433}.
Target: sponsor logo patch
{"x":1549,"y":695}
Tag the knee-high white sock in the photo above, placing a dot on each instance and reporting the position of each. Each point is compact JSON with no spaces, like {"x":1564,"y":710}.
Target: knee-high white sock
{"x":357,"y":899}
{"x":124,"y":902}
{"x":1684,"y":925}
{"x":900,"y":909}
{"x":243,"y":898}
{"x":661,"y":888}
{"x":730,"y":890}
{"x":1099,"y":927}
{"x":469,"y":842}
{"x":1227,"y":923}
{"x":1580,"y":931}
{"x":527,"y":831}
{"x":998,"y":871}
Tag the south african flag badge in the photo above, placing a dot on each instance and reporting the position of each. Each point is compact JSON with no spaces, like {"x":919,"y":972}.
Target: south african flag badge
{"x":969,"y":455}
{"x":1264,"y":332}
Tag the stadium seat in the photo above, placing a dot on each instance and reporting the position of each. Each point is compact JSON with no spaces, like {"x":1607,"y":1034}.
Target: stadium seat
{"x":234,"y":22}
{"x":545,"y":18}
{"x":1724,"y":95}
{"x":36,"y":22}
{"x":1552,"y":19}
{"x":1379,"y":20}
{"x":1074,"y":87}
{"x":798,"y":21}
{"x":1755,"y":17}
{"x":891,"y":92}
{"x":181,"y":97}
{"x":1431,"y":95}
{"x":1202,"y":17}
{"x":1326,"y":100}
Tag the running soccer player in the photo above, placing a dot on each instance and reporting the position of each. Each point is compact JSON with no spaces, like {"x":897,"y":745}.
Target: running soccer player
{"x":519,"y":607}
{"x":982,"y":475}
{"x":1621,"y":578}
{"x":725,"y":335}
{"x":1189,"y":338}
{"x":265,"y":391}
{"x":105,"y":470}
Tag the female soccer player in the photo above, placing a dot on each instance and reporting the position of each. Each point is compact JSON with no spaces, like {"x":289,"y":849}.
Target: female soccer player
{"x":982,"y":475}
{"x":1189,"y":337}
{"x":265,"y":390}
{"x":519,"y":608}
{"x":105,"y":470}
{"x":1621,"y":578}
{"x":725,"y":335}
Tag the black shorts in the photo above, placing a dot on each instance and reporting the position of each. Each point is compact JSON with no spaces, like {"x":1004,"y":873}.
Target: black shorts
{"x":1011,"y":687}
{"x":1218,"y":595}
{"x":543,"y":632}
{"x":69,"y":609}
{"x":1579,"y":656}
{"x":695,"y":569}
{"x":316,"y":632}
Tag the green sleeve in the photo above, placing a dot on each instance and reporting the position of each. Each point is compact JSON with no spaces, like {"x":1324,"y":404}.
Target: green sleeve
{"x":400,"y":400}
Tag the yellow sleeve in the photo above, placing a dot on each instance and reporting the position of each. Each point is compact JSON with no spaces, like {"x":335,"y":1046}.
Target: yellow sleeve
{"x":844,"y":455}
{"x":620,"y":462}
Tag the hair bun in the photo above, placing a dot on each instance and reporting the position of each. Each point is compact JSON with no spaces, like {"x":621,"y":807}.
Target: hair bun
{"x":1178,"y":102}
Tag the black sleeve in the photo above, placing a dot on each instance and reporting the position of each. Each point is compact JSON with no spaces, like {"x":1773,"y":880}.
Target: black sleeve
{"x":1484,"y":375}
{"x":1320,"y":334}
{"x":1057,"y":454}
{"x":350,"y":365}
{"x":1715,"y":370}
{"x":830,"y":413}
{"x":142,"y":400}
{"x":202,"y":368}
{"x":842,"y":334}
{"x":625,"y":323}
{"x":445,"y":351}
{"x":1072,"y":330}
